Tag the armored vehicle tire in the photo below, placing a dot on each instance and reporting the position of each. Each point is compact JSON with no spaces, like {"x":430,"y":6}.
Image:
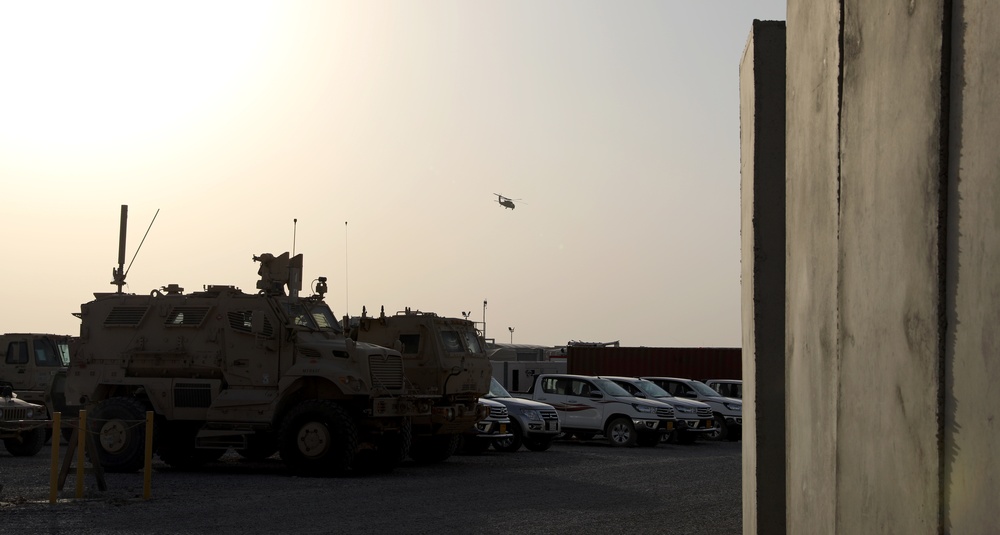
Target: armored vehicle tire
{"x":538,"y":444}
{"x":433,"y":449}
{"x":29,"y":444}
{"x":260,"y":446}
{"x":318,"y":438}
{"x":118,"y":424}
{"x":720,"y":431}
{"x":511,"y":443}
{"x":648,"y":440}
{"x":390,"y":451}
{"x":621,"y":432}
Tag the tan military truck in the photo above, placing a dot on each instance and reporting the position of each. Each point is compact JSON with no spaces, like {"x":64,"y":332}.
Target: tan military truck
{"x":22,"y":424}
{"x":34,"y":366}
{"x":258,"y":372}
{"x":443,"y":358}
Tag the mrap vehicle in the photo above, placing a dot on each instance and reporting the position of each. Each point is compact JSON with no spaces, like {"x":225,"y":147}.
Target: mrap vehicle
{"x":221,"y":368}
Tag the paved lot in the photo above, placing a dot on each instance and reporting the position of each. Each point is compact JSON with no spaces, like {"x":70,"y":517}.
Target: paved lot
{"x":576,"y":487}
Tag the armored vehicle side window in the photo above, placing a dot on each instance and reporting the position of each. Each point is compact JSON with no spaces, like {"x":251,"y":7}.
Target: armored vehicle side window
{"x":452,"y":342}
{"x":125,"y":316}
{"x":17,"y":353}
{"x":472,"y":342}
{"x":317,"y":317}
{"x":186,"y":316}
{"x":242,"y":321}
{"x":411,"y":343}
{"x":63,"y":352}
{"x":46,"y":354}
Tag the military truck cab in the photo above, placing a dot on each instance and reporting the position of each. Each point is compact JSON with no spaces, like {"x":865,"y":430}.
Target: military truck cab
{"x":34,"y":366}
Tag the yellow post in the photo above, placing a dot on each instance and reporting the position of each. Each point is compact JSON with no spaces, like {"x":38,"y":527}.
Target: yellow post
{"x":80,"y":453}
{"x":54,"y":469}
{"x":147,"y":485}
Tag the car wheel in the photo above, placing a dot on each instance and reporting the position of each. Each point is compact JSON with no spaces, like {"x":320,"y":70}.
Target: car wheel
{"x":719,"y":431}
{"x":621,"y":432}
{"x":513,"y":442}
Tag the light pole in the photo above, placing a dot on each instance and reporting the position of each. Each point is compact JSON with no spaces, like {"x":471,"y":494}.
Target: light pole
{"x":511,"y":329}
{"x":484,"y":319}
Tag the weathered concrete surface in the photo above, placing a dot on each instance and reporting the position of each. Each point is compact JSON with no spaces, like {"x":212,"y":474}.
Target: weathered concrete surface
{"x":972,"y":403}
{"x":762,"y":146}
{"x":812,"y":368}
{"x":890,"y":273}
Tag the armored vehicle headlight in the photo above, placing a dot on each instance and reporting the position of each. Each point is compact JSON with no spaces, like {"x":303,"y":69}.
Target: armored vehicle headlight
{"x":643,"y":408}
{"x":531,"y":414}
{"x":30,"y":414}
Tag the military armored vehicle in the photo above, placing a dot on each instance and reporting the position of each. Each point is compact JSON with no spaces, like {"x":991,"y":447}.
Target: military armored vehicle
{"x":34,"y":366}
{"x":257,"y":372}
{"x":443,"y":358}
{"x":22,"y":424}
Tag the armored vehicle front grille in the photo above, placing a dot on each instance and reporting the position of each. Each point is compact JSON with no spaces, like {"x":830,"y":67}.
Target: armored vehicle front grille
{"x":125,"y":316}
{"x":549,"y":414}
{"x":186,"y":316}
{"x":666,"y":412}
{"x":196,"y":395}
{"x":498,"y":412}
{"x":240,"y":320}
{"x":14,"y":413}
{"x":705,"y":412}
{"x":308,"y":352}
{"x":386,"y":371}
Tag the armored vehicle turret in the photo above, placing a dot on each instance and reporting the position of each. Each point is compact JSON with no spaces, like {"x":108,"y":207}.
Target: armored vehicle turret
{"x":443,"y":358}
{"x":258,"y":372}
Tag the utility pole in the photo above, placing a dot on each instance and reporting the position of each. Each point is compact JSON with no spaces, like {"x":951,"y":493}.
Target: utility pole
{"x":511,"y":329}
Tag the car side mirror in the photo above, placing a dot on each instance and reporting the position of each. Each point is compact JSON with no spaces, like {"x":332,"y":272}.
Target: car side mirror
{"x":596,"y":395}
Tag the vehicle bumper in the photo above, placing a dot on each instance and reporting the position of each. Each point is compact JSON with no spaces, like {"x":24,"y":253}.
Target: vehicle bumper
{"x":491,"y":429}
{"x":653,"y":425}
{"x":696,"y":425}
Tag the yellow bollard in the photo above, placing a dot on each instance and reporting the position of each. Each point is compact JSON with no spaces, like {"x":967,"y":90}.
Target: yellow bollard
{"x":54,"y":469}
{"x":147,"y":485}
{"x":80,"y":452}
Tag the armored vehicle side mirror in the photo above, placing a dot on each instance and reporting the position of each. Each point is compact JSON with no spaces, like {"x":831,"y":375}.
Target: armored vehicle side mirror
{"x":6,"y":392}
{"x":257,"y":323}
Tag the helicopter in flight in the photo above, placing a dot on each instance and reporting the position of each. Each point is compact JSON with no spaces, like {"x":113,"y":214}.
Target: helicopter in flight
{"x":506,"y":202}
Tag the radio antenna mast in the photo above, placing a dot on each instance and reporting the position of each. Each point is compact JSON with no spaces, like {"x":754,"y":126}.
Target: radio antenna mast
{"x":347,"y":302}
{"x":295,"y":227}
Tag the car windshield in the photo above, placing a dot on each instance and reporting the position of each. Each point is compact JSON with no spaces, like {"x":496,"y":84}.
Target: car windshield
{"x":497,"y":390}
{"x":611,"y":388}
{"x":651,"y":389}
{"x":702,"y":389}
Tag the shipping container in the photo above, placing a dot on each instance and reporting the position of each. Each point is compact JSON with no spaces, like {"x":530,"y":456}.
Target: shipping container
{"x":698,"y":363}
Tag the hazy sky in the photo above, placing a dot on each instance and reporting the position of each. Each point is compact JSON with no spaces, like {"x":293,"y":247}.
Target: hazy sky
{"x":617,"y":123}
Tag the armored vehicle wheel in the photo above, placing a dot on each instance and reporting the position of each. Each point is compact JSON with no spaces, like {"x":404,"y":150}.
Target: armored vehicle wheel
{"x":318,"y":437}
{"x":433,"y":449}
{"x":621,"y":432}
{"x":121,"y":434}
{"x":390,"y":451}
{"x":29,"y":444}
{"x":538,"y":444}
{"x":260,"y":446}
{"x":511,"y":443}
{"x":648,"y":440}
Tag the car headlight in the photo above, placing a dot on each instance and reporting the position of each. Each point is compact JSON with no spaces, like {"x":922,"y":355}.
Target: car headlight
{"x":644,"y":408}
{"x":686,"y":410}
{"x":734,"y":406}
{"x":531,"y":414}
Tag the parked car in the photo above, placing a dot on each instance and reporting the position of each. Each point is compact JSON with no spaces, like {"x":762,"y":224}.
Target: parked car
{"x":590,"y":406}
{"x":22,"y":424}
{"x":694,"y":418}
{"x":532,"y":423}
{"x":494,"y":426}
{"x":728,"y":412}
{"x":732,"y":388}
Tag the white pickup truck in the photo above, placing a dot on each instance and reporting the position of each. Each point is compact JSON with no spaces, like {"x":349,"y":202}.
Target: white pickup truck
{"x":589,"y":406}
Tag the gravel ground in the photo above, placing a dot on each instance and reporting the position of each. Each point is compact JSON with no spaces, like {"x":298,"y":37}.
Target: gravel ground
{"x":575,"y":487}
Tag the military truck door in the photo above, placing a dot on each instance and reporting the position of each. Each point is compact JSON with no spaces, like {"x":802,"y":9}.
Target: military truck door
{"x":252,"y":348}
{"x":16,"y":364}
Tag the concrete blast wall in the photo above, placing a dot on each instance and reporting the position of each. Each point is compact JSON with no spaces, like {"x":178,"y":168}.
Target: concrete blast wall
{"x":891,"y":352}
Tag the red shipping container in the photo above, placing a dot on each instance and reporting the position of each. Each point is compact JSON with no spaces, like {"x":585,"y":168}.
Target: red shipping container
{"x":698,"y":363}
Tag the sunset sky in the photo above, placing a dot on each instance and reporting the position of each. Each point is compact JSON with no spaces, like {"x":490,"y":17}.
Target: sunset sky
{"x":616,"y":123}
